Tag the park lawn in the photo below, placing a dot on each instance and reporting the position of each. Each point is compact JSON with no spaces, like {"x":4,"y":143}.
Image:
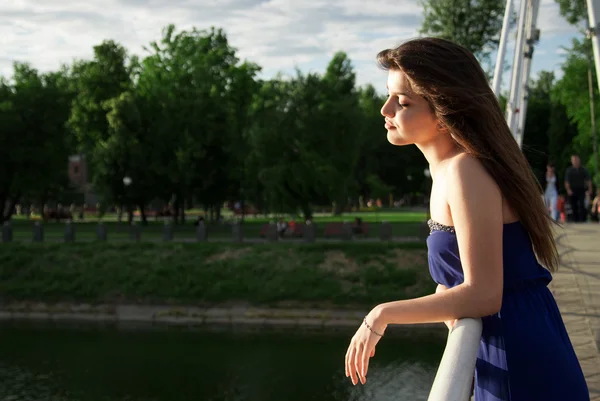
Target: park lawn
{"x":388,"y":215}
{"x":313,"y":275}
{"x":404,"y":224}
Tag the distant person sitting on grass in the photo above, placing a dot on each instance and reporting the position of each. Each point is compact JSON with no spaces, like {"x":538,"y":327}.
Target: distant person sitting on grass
{"x":291,"y":229}
{"x":491,"y":247}
{"x":281,"y":228}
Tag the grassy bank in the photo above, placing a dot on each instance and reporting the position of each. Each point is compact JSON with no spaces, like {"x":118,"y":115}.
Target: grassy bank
{"x":404,"y":224}
{"x":318,"y":275}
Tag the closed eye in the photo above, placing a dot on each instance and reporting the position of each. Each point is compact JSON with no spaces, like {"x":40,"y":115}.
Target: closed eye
{"x":403,"y":105}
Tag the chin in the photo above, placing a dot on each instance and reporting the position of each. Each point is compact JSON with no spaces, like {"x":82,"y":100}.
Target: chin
{"x":397,"y":140}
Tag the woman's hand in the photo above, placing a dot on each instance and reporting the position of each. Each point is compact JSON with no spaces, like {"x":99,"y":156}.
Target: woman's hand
{"x":450,"y":324}
{"x":362,"y":347}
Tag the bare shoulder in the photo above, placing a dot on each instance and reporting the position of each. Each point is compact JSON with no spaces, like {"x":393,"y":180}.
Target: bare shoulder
{"x":464,"y":168}
{"x":473,"y":195}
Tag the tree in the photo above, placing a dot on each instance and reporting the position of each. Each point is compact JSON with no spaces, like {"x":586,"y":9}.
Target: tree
{"x":284,"y":146}
{"x":561,"y":134}
{"x":125,"y":152}
{"x":474,"y":24}
{"x":572,"y":92}
{"x":537,"y":123}
{"x":339,"y":127}
{"x":190,"y":123}
{"x":188,"y":83}
{"x":97,"y":81}
{"x":304,"y":139}
{"x":574,"y":11}
{"x":34,"y":142}
{"x":549,"y":132}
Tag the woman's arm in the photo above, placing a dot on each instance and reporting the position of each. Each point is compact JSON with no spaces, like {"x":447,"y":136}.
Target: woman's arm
{"x":475,"y":203}
{"x":448,"y":323}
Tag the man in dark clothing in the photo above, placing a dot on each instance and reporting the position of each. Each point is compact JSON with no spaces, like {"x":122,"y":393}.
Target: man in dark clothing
{"x":577,"y":182}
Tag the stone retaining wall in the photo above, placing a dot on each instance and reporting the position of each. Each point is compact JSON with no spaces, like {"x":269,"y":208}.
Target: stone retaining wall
{"x":215,"y":317}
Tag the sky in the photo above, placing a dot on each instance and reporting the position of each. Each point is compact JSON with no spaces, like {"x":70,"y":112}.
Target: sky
{"x":279,"y":35}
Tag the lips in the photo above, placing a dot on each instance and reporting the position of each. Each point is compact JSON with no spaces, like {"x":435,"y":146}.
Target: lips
{"x":389,"y":125}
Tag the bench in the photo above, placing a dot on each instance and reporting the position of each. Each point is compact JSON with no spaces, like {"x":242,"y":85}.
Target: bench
{"x":337,"y":229}
{"x":57,"y":215}
{"x":299,"y":232}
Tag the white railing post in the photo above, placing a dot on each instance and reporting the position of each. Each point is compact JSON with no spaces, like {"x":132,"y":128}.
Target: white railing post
{"x":593,"y":9}
{"x":517,"y":67}
{"x":531,"y":38}
{"x":499,"y":68}
{"x":454,"y":378}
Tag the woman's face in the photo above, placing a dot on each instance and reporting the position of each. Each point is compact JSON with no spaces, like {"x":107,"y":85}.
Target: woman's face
{"x":408,"y":117}
{"x":550,"y":169}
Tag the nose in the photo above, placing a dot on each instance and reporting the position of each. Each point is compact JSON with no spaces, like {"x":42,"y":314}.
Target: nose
{"x":387,"y":110}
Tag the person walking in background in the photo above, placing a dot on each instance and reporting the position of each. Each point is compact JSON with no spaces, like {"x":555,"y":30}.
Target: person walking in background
{"x":551,"y":192}
{"x":578,"y":183}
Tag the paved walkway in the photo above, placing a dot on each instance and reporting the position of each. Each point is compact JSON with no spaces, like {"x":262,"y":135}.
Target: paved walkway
{"x":576,"y":287}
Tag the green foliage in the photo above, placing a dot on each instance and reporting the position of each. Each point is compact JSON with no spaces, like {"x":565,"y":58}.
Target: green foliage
{"x":305,"y":139}
{"x":349,"y":275}
{"x":537,"y":124}
{"x":574,"y":11}
{"x":572,"y":92}
{"x":475,"y":24}
{"x":95,"y":82}
{"x":34,"y":142}
{"x":191,"y":123}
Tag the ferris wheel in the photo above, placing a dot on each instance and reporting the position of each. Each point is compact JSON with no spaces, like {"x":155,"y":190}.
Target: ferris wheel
{"x":527,"y":36}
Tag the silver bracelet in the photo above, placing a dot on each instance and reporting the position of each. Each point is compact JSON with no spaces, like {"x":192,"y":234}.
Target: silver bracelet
{"x":369,"y":327}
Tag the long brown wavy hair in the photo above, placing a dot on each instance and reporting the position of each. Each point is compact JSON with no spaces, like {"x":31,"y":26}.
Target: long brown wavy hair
{"x":451,"y":79}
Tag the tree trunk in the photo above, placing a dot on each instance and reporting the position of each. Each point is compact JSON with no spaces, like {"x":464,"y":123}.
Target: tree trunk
{"x":339,"y":209}
{"x":42,"y":209}
{"x":243,"y":209}
{"x":177,"y":207}
{"x":129,"y":213}
{"x":10,"y":210}
{"x":218,"y":212}
{"x":143,"y":213}
{"x":3,"y":199}
{"x":306,"y":211}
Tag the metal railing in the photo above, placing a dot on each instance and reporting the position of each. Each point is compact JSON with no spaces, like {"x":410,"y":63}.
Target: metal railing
{"x":454,"y":378}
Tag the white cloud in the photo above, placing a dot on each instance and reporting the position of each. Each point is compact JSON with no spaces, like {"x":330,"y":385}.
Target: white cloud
{"x":277,"y":34}
{"x":550,"y":22}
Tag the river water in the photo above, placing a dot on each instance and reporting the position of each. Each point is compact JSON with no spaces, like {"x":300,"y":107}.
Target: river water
{"x":66,"y":363}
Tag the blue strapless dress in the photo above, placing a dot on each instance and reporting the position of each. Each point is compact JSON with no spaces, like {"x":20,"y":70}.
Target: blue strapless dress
{"x":525,"y":352}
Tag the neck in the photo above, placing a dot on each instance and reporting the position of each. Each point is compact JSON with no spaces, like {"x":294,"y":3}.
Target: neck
{"x":437,"y":150}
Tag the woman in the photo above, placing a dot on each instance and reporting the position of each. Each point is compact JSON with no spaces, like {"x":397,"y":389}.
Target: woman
{"x":551,"y":192}
{"x":485,"y":207}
